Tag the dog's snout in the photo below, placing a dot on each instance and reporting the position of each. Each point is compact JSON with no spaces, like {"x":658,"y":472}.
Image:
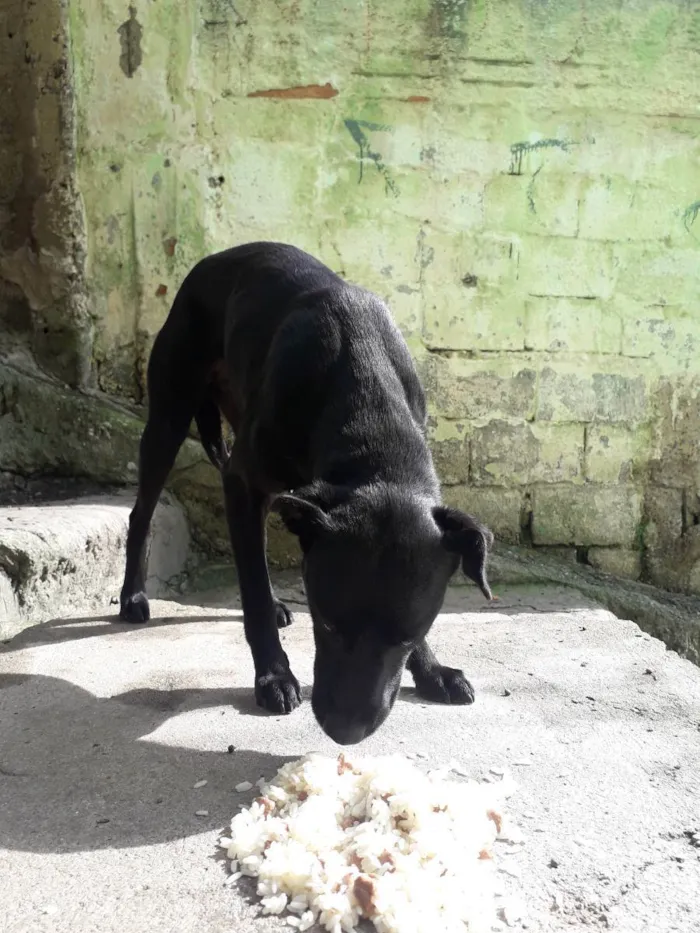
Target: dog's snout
{"x":354,"y":691}
{"x":344,"y":731}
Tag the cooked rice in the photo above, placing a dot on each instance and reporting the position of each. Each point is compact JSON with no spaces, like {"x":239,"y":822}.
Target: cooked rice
{"x":335,"y":840}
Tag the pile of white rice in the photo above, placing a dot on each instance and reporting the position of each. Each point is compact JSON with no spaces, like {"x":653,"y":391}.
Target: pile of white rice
{"x":335,"y":840}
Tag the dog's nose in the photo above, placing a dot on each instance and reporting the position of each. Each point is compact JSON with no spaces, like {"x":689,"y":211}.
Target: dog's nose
{"x":342,"y":731}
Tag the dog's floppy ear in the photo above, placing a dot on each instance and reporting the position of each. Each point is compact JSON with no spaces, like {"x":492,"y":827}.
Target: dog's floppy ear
{"x":304,"y":513}
{"x":467,"y":537}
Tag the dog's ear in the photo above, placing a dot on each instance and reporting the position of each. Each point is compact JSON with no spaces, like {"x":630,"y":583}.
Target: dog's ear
{"x":304,"y":513}
{"x":467,"y":537}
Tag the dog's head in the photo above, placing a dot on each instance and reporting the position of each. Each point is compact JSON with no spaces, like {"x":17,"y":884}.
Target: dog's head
{"x":376,"y":566}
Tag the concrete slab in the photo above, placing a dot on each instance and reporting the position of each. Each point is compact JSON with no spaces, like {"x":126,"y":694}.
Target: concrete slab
{"x":105,"y":729}
{"x":69,"y":554}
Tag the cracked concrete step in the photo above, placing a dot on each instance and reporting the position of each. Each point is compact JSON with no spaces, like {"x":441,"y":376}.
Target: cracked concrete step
{"x":68,"y":556}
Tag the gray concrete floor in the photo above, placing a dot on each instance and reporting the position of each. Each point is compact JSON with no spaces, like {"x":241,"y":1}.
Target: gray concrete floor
{"x":105,"y":728}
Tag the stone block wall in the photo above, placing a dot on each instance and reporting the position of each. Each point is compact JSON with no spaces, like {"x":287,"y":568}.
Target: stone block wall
{"x":519,"y":179}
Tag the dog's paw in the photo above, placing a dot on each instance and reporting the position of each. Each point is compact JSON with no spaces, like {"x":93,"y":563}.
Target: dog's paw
{"x":135,"y":608}
{"x":445,"y":685}
{"x":284,"y":616}
{"x":277,"y":692}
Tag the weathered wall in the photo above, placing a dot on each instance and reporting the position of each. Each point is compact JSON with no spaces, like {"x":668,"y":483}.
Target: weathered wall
{"x":519,"y":178}
{"x":42,"y":261}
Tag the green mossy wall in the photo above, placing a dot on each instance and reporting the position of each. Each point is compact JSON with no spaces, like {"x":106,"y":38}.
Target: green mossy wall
{"x":520,"y":179}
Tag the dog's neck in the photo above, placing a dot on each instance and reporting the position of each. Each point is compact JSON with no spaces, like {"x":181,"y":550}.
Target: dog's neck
{"x":357,"y":469}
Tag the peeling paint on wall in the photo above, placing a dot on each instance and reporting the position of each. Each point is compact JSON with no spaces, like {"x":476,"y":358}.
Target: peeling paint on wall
{"x":307,"y":92}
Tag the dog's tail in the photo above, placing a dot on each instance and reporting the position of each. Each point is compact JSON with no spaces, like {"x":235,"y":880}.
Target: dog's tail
{"x":208,"y":421}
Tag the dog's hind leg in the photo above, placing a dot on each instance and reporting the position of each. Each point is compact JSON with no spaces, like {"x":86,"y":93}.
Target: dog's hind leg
{"x":436,"y":682}
{"x":276,"y":687}
{"x":161,"y":440}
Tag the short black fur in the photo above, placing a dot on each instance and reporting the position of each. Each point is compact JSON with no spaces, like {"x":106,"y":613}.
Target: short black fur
{"x":329,"y":422}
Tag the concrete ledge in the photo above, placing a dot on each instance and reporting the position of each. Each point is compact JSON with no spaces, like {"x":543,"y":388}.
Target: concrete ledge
{"x":64,"y":557}
{"x":33,"y":443}
{"x":672,"y":617}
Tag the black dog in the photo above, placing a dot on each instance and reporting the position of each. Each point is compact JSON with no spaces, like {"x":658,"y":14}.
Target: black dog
{"x":320,"y":390}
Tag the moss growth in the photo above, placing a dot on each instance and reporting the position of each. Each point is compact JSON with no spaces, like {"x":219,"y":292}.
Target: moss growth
{"x":518,"y":180}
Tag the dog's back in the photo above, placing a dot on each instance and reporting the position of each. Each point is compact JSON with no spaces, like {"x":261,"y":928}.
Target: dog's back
{"x":341,"y":378}
{"x":293,"y":355}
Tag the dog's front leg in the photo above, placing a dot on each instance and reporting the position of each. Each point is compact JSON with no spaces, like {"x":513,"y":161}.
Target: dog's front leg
{"x":434,"y":681}
{"x":276,"y":687}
